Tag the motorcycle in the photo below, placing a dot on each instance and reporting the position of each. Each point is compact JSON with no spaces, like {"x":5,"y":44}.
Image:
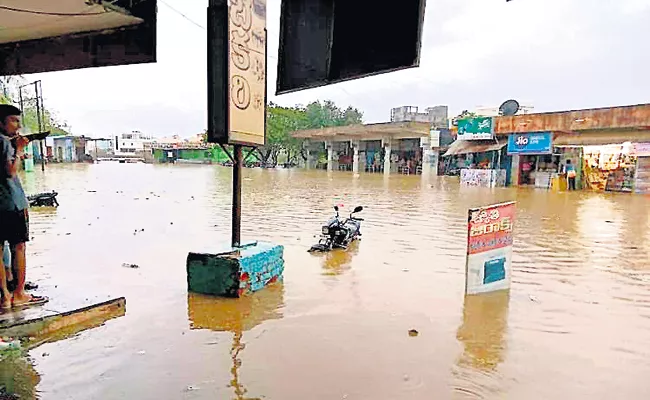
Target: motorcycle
{"x":338,"y":233}
{"x":47,"y":199}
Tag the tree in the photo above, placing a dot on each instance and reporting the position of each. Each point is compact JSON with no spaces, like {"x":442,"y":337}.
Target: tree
{"x":10,"y":94}
{"x":328,"y":114}
{"x":282,"y":121}
{"x":463,"y":115}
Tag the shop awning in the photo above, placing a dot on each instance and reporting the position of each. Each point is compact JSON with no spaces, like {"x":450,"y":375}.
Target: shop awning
{"x":473,"y":146}
{"x":601,"y":138}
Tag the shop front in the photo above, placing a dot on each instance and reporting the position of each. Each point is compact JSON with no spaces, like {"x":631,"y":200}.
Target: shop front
{"x":612,"y":161}
{"x":478,"y":162}
{"x":609,"y":168}
{"x":537,"y":165}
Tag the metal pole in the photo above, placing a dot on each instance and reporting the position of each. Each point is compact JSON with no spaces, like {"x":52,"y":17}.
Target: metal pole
{"x":39,"y":109}
{"x":236,"y":196}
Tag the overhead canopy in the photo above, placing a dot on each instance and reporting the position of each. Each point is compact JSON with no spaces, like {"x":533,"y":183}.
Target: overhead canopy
{"x":601,"y":138}
{"x":396,"y":130}
{"x":41,"y":35}
{"x":473,"y":146}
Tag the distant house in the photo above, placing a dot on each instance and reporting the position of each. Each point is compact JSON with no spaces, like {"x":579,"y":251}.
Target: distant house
{"x":132,"y":144}
{"x":100,"y":148}
{"x":68,"y":148}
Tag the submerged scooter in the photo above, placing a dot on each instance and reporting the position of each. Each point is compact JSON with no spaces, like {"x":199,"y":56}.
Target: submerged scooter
{"x":338,"y":233}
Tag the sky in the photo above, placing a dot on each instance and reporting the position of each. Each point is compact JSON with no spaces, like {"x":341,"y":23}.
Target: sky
{"x":552,"y":54}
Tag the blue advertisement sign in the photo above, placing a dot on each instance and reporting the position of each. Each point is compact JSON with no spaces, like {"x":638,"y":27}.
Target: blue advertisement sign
{"x":530,"y":143}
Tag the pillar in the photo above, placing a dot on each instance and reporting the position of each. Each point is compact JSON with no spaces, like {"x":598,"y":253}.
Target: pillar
{"x":428,"y":161}
{"x":307,"y":146}
{"x":355,"y":157}
{"x":514,"y":170}
{"x":330,"y":156}
{"x":387,"y":145}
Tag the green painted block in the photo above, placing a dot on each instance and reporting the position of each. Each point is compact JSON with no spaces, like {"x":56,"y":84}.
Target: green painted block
{"x":235,"y":272}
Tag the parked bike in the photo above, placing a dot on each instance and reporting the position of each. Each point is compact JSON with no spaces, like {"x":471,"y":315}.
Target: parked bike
{"x":338,"y":233}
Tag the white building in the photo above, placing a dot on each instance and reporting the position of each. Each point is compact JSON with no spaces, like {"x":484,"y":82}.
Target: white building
{"x":437,"y":116}
{"x":131,"y":144}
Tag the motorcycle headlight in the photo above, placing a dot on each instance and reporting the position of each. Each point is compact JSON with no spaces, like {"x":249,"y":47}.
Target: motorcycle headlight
{"x":325,"y":230}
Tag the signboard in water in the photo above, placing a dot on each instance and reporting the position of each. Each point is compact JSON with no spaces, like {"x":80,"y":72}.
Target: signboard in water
{"x":489,"y":248}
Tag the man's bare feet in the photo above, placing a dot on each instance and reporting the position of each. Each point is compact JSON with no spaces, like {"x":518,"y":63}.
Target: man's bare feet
{"x":6,"y":301}
{"x":23,"y":299}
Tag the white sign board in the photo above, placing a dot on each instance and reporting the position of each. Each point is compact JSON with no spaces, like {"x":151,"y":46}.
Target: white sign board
{"x":489,"y":248}
{"x":247,"y":83}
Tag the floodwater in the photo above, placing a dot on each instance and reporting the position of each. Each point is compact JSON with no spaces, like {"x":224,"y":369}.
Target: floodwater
{"x":575,"y":325}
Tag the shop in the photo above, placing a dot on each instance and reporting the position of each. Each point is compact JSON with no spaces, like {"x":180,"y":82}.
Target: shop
{"x":537,"y":165}
{"x":610,"y":168}
{"x":478,"y":162}
{"x":407,"y":155}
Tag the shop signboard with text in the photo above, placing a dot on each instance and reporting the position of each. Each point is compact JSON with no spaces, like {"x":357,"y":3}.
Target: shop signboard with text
{"x":536,"y":143}
{"x":479,"y":128}
{"x":489,"y":248}
{"x":642,"y":149}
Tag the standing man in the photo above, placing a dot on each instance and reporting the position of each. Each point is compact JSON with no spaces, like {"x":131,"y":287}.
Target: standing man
{"x":570,"y":175}
{"x":14,"y":217}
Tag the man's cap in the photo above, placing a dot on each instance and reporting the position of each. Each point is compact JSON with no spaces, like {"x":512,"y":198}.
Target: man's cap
{"x":7,"y":110}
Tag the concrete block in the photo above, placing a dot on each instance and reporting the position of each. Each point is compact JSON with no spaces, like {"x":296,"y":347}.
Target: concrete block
{"x":235,"y":272}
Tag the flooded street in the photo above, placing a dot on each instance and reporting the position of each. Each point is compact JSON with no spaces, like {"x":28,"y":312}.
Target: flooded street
{"x":575,"y":325}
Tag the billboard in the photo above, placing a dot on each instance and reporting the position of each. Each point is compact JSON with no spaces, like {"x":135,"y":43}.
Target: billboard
{"x":489,"y":248}
{"x":237,"y":72}
{"x":328,"y":41}
{"x":479,"y":128}
{"x":530,"y":143}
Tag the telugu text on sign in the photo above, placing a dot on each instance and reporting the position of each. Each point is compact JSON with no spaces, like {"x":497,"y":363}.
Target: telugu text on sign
{"x":489,"y":248}
{"x":247,"y":71}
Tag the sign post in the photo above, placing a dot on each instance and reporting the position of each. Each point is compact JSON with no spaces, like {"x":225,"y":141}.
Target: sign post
{"x":237,"y":84}
{"x":489,"y":248}
{"x":237,"y":117}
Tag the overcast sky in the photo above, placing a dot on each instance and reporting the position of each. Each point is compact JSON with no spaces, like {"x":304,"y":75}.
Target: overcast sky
{"x":553,"y":54}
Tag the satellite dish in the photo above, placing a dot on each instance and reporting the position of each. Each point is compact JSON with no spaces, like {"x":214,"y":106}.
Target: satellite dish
{"x":509,"y":107}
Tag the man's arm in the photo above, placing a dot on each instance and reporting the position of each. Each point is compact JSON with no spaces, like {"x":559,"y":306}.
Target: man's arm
{"x":8,"y":159}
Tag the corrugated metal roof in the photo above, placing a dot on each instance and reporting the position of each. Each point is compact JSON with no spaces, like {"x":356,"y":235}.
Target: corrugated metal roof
{"x":473,"y":146}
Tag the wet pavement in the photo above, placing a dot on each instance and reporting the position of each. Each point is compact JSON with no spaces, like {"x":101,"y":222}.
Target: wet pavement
{"x":575,"y":325}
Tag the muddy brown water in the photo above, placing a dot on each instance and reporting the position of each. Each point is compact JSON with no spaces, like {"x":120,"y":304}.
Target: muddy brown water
{"x":576,"y":324}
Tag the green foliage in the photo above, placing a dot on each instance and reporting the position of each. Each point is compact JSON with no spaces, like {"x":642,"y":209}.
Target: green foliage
{"x":10,"y":94}
{"x":463,"y":115}
{"x":282,"y":121}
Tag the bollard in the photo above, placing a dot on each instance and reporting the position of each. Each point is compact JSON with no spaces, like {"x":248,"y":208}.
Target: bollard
{"x":237,"y":272}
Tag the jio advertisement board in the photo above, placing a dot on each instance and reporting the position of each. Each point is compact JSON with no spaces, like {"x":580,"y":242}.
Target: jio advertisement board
{"x":489,"y":248}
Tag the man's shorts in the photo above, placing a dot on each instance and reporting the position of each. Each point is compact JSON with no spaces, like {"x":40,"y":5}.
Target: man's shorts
{"x":14,"y":227}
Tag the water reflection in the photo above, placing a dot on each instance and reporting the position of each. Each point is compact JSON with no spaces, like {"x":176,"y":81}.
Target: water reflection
{"x":485,"y":319}
{"x":18,"y":379}
{"x":338,"y":261}
{"x":236,"y":316}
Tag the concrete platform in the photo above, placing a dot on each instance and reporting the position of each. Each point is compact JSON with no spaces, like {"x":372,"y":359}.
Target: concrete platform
{"x":61,"y":317}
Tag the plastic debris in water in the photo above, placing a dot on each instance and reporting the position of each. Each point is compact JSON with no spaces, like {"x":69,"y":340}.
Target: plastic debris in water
{"x":413,"y":333}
